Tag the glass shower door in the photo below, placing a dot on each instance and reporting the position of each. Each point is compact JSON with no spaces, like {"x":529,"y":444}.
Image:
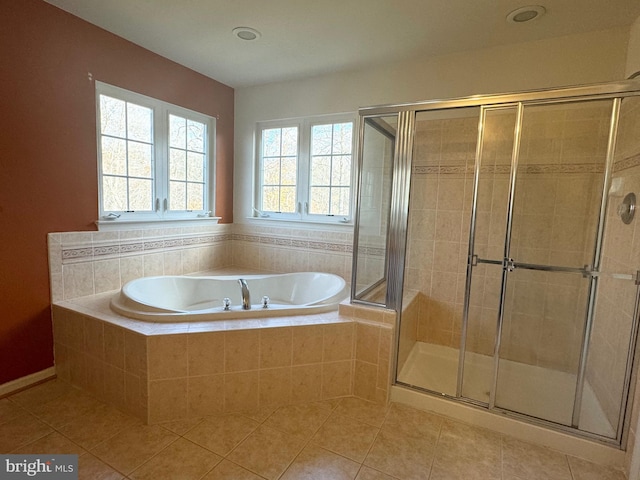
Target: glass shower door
{"x":376,"y":167}
{"x":444,"y":154}
{"x":484,"y":269}
{"x":550,"y":258}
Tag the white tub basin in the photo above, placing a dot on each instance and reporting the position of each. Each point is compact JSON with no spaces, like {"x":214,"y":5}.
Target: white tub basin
{"x":184,"y":298}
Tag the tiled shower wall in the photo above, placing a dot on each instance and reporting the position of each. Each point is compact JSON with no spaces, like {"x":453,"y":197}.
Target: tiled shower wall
{"x":621,"y":257}
{"x":558,"y":192}
{"x":439,"y":215}
{"x":555,"y":170}
{"x":629,"y":137}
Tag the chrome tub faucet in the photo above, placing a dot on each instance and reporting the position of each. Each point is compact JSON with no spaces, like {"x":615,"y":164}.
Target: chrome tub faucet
{"x":246,"y":296}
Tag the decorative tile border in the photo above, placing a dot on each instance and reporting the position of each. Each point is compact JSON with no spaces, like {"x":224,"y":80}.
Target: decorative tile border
{"x":78,"y":253}
{"x":373,"y":251}
{"x":626,"y":163}
{"x":75,"y":254}
{"x":442,"y":169}
{"x":506,"y":169}
{"x":87,"y":251}
{"x":564,"y":168}
{"x":336,"y":247}
{"x":539,"y":168}
{"x":293,"y":242}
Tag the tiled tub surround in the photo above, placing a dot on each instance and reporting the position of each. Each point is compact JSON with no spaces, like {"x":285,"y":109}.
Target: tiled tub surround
{"x":88,"y":263}
{"x":163,"y":371}
{"x":171,"y":371}
{"x":296,"y":249}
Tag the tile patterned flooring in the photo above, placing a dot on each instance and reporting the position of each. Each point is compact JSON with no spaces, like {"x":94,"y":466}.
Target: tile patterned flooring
{"x":344,"y":439}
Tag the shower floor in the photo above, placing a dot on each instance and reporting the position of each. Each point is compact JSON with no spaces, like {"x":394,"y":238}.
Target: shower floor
{"x":532,"y":390}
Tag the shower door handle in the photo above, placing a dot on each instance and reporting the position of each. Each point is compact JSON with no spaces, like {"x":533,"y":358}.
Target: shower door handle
{"x":510,"y":265}
{"x":475,"y":260}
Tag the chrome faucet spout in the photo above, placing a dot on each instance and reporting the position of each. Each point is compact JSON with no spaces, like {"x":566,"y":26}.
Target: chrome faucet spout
{"x":246,"y":296}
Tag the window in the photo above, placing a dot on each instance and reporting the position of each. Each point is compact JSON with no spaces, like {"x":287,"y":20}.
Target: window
{"x":155,"y":160}
{"x":305,"y":169}
{"x":279,"y":169}
{"x":330,"y":186}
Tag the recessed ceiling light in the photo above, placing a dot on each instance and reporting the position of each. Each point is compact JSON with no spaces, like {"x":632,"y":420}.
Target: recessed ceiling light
{"x":526,"y":14}
{"x":246,"y":33}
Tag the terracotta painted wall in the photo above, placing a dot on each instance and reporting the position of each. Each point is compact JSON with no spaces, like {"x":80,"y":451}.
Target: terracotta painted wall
{"x":48,"y":167}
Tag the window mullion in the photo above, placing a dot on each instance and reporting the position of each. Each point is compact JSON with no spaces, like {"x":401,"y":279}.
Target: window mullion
{"x":126,"y":154}
{"x":331,"y":158}
{"x":161,"y":159}
{"x":280,"y":185}
{"x":304,"y":162}
{"x":208,"y":174}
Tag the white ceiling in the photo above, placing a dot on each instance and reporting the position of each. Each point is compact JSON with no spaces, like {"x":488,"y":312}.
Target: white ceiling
{"x":303,"y":38}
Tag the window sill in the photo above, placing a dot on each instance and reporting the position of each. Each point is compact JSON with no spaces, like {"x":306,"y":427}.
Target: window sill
{"x":298,"y":221}
{"x":113,"y":225}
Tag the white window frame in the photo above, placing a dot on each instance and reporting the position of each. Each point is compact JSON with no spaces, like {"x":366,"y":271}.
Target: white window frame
{"x":160,"y":158}
{"x":303,"y":180}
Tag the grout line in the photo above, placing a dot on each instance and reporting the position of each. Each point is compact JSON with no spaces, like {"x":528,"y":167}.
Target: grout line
{"x":306,"y":442}
{"x":435,"y":447}
{"x":375,"y":439}
{"x":573,"y":476}
{"x":156,"y":454}
{"x":502,"y":455}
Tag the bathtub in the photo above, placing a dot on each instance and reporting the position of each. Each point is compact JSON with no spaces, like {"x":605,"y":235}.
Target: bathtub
{"x":186,"y":298}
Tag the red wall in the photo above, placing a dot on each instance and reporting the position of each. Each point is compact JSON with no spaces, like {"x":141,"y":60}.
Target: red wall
{"x":48,"y":166}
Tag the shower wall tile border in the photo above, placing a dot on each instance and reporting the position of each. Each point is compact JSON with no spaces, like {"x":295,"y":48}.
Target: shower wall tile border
{"x":373,"y":251}
{"x":540,"y":168}
{"x":626,"y":163}
{"x":506,"y":169}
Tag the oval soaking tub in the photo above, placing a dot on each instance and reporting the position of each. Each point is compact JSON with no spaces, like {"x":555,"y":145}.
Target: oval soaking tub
{"x":183,"y":298}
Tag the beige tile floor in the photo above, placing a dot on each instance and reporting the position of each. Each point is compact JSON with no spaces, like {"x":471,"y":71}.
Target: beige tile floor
{"x":344,"y":439}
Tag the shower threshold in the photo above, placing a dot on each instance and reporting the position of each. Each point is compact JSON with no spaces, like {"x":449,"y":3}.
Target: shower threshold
{"x":528,"y":389}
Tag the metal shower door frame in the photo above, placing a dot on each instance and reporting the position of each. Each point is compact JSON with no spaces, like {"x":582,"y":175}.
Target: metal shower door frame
{"x":509,"y":265}
{"x":400,"y":199}
{"x":364,"y":121}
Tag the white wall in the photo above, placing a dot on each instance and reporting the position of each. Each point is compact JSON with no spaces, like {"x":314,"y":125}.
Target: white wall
{"x":633,"y":52}
{"x":576,"y":59}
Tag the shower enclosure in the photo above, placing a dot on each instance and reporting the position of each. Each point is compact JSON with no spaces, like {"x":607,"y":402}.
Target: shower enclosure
{"x":501,"y":230}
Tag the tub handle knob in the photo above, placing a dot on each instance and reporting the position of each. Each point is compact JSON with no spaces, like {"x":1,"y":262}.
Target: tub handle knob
{"x":265,"y":301}
{"x":226,"y":303}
